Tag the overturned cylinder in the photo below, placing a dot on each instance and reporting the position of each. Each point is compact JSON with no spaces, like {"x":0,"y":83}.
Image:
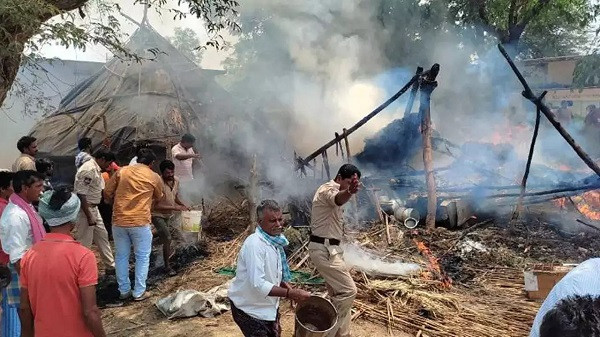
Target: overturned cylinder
{"x":408,"y":216}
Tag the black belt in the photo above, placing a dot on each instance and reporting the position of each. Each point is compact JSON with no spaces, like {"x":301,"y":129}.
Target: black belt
{"x":318,"y":239}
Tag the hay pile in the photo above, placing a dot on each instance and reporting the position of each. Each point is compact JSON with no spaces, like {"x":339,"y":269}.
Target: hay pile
{"x":486,"y":297}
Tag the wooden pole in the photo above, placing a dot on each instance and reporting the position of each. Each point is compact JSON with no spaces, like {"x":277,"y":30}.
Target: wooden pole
{"x":413,"y":94}
{"x":536,"y":129}
{"x":527,"y":93}
{"x":252,"y":195}
{"x":326,"y":163}
{"x":360,"y":123}
{"x":349,"y":156}
{"x":427,"y":85}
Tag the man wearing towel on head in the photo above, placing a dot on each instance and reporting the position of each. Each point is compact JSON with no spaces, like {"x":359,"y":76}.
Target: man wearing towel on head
{"x":327,"y":230}
{"x":262,"y":276}
{"x":59,"y":276}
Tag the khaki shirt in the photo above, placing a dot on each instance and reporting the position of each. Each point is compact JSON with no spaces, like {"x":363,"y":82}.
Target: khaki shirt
{"x":133,"y":189}
{"x":89,"y":182}
{"x":326,"y":216}
{"x":24,"y":162}
{"x":168,"y":199}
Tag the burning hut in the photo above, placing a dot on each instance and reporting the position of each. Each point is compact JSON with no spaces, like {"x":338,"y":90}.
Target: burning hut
{"x":153,"y":101}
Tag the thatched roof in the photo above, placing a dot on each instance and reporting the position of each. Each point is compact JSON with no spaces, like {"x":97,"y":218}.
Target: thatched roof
{"x":126,"y":101}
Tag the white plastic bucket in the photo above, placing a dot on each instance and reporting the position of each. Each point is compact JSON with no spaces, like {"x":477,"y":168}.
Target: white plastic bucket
{"x":191,"y":221}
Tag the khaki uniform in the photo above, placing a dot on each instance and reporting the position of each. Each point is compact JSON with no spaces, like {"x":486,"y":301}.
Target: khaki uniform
{"x":327,"y":222}
{"x":24,"y":162}
{"x":89,"y":182}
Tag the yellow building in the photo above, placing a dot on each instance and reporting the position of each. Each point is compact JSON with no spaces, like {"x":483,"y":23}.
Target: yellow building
{"x":555,"y":74}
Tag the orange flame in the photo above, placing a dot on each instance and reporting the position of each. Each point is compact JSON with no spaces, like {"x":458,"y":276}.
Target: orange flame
{"x":588,"y":204}
{"x":560,"y":203}
{"x":433,"y":264}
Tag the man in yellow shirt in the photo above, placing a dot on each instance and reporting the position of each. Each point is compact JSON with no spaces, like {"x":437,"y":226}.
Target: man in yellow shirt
{"x":327,"y":231}
{"x":28,"y":147}
{"x":134,"y":189}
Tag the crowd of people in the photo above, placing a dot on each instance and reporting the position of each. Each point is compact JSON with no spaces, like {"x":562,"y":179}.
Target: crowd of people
{"x":46,"y":233}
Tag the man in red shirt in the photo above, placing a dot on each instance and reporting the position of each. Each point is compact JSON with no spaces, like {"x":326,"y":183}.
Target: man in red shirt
{"x":59,"y":277}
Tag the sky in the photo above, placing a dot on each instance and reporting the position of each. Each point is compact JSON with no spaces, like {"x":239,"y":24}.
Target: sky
{"x":164,"y":24}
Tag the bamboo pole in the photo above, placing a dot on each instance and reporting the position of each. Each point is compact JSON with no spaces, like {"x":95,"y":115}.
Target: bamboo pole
{"x":326,"y":163}
{"x":252,"y":195}
{"x":413,"y":93}
{"x":427,"y":85}
{"x":349,"y":156}
{"x":359,"y":123}
{"x":536,"y":129}
{"x":528,"y":94}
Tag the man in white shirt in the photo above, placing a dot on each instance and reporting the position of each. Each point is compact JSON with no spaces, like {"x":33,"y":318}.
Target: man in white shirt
{"x":582,"y":280}
{"x":183,"y":158}
{"x":90,"y":226}
{"x":261,"y":276}
{"x":20,"y":228}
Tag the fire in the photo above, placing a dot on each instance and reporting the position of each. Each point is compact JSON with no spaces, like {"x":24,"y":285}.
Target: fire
{"x":588,"y":204}
{"x":433,"y":264}
{"x":560,"y":203}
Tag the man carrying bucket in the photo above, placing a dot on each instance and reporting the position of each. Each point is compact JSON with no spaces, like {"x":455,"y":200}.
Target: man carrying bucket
{"x":163,"y":211}
{"x":327,"y":230}
{"x":261,"y":276}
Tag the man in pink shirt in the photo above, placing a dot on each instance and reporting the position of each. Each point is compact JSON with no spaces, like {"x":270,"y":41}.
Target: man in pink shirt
{"x":183,"y":158}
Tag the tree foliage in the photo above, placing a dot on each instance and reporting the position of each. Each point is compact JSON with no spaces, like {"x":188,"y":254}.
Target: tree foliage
{"x":534,"y":28}
{"x":188,"y":43}
{"x":27,"y":25}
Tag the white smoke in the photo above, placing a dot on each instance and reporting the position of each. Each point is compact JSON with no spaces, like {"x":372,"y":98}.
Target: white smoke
{"x":356,"y":257}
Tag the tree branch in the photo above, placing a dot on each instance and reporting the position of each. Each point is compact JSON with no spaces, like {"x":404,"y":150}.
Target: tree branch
{"x":67,"y":5}
{"x":512,"y":18}
{"x":481,"y":12}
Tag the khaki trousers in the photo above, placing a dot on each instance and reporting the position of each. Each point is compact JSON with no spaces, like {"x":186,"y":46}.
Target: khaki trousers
{"x":330,"y":263}
{"x":86,"y":234}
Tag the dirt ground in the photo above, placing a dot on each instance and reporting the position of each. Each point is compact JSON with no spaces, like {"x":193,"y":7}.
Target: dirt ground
{"x":144,"y":319}
{"x":486,"y":298}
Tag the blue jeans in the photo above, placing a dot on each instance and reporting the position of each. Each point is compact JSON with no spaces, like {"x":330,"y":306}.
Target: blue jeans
{"x":141,"y":238}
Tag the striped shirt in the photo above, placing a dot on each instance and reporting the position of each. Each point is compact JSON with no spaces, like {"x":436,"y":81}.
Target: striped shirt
{"x":582,"y":280}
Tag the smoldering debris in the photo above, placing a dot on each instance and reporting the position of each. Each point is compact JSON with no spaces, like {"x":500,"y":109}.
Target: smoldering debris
{"x":107,"y":290}
{"x":361,"y":259}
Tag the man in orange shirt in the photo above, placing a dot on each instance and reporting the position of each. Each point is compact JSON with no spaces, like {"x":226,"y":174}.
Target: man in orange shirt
{"x":134,"y":189}
{"x":59,"y":277}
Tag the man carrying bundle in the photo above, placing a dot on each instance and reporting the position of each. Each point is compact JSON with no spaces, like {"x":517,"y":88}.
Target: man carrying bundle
{"x":327,"y":230}
{"x":261,"y":276}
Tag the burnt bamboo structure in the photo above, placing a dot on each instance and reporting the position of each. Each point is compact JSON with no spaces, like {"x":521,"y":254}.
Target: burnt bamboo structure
{"x":538,"y":101}
{"x":427,"y":84}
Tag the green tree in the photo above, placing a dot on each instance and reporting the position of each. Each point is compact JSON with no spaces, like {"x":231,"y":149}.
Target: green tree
{"x":533,"y":28}
{"x":26,"y":25}
{"x":188,"y":43}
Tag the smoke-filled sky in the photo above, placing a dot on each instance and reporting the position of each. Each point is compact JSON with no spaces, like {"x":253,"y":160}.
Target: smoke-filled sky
{"x":325,"y":64}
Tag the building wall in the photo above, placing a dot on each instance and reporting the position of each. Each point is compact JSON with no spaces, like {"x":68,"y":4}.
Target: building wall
{"x":45,"y":83}
{"x":556,"y":76}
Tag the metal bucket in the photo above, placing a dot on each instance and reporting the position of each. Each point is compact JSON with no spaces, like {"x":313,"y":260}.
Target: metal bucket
{"x":408,"y":216}
{"x":315,"y":317}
